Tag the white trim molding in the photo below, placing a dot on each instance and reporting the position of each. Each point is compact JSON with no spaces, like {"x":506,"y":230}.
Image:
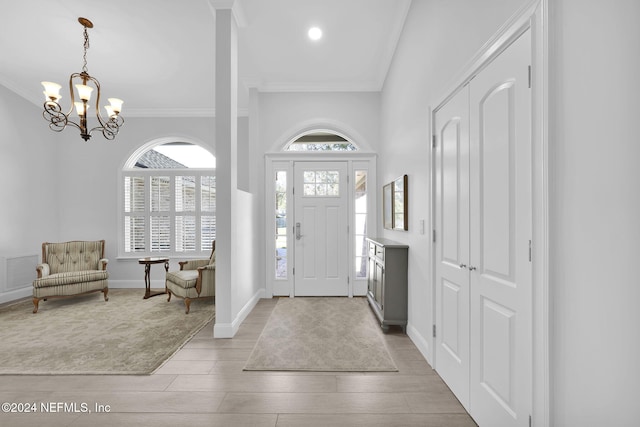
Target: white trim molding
{"x":229,"y":330}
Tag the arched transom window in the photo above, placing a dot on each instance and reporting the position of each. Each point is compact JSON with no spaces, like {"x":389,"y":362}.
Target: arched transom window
{"x":320,"y":141}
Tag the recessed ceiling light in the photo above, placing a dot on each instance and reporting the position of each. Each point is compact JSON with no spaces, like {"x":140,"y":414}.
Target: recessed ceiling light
{"x":315,"y":33}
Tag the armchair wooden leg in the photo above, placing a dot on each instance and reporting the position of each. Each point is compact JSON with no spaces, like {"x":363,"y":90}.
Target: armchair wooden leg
{"x":105,"y":291}
{"x":187,"y":303}
{"x":169,"y":292}
{"x":35,"y":304}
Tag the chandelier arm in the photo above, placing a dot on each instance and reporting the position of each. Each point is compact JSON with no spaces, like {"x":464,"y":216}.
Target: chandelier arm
{"x":72,"y":94}
{"x":98,"y":115}
{"x":111,"y":127}
{"x":54,"y":115}
{"x":82,"y":126}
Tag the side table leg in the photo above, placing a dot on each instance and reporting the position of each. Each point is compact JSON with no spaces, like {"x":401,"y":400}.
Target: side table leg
{"x":147,"y":281}
{"x":166,"y":270}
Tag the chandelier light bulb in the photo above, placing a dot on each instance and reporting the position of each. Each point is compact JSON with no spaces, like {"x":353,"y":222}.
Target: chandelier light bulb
{"x":51,"y":91}
{"x":116,"y":104}
{"x":84,"y":92}
{"x":81,"y":108}
{"x":110,"y":112}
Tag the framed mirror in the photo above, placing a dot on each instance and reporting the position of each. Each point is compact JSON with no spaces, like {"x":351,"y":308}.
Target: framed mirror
{"x":394,"y":204}
{"x":400,"y":211}
{"x":387,"y":206}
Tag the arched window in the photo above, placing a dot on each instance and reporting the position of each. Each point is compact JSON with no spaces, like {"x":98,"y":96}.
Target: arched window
{"x":168,"y":200}
{"x":320,"y":141}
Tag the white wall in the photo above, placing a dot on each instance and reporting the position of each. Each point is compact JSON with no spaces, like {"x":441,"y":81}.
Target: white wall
{"x":438,"y":39}
{"x":248,"y":281}
{"x":283,"y":115}
{"x":594,"y":212}
{"x":28,"y":169}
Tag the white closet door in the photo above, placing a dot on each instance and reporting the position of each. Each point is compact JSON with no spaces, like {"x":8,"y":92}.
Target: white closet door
{"x":501,"y":222}
{"x":452,"y":244}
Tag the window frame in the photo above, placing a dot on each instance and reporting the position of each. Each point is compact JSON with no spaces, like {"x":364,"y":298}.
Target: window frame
{"x":128,"y":169}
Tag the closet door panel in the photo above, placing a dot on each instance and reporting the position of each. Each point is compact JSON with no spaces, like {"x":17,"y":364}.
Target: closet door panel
{"x":497,"y":181}
{"x":451,"y":185}
{"x":500,"y":232}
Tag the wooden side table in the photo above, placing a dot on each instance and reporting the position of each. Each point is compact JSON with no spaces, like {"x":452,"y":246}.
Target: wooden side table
{"x":147,"y":274}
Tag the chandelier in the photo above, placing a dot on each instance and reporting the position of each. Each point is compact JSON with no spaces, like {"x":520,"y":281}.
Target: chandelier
{"x":58,"y":120}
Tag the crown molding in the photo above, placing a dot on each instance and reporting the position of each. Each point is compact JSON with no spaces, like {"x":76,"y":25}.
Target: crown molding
{"x":178,"y":112}
{"x":235,"y":7}
{"x":370,"y":86}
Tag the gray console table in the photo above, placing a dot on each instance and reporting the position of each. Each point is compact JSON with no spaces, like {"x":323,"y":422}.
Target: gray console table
{"x":387,"y":281}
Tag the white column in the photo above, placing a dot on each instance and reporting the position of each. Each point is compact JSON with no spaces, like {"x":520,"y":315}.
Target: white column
{"x":226,"y":105}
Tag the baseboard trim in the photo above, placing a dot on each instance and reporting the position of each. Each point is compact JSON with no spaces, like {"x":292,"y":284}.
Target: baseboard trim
{"x":229,"y":330}
{"x":16,"y":294}
{"x":420,"y":342}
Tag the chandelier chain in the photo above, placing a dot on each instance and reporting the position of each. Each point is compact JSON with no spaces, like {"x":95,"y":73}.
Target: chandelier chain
{"x":86,"y":46}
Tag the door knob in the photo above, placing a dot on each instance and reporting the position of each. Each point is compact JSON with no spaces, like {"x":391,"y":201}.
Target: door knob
{"x":463,"y":266}
{"x":298,"y":235}
{"x":471,"y":268}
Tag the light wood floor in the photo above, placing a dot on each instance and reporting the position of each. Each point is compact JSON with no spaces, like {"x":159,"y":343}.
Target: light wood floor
{"x":204,"y":385}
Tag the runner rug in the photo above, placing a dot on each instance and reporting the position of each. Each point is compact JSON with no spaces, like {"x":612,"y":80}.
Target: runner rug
{"x":321,"y":334}
{"x":86,"y":335}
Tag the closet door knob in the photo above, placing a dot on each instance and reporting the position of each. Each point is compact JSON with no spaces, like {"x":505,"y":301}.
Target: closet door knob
{"x":463,"y":266}
{"x":471,"y":268}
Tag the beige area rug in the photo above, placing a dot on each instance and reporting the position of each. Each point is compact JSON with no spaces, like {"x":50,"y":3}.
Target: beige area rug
{"x":86,"y":335}
{"x":321,"y":334}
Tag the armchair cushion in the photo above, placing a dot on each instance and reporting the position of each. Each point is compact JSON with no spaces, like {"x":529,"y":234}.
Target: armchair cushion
{"x":196,"y":279}
{"x":70,"y":278}
{"x":183,"y":278}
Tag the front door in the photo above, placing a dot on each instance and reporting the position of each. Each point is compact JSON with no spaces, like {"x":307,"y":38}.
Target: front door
{"x":321,"y":229}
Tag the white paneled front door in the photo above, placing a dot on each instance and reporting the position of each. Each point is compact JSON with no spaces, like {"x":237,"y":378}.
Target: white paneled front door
{"x":321,"y":229}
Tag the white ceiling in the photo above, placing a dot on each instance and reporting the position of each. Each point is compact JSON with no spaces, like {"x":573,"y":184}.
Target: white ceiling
{"x":158,"y":55}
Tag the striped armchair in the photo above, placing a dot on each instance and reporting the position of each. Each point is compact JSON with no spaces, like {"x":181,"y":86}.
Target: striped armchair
{"x":196,"y":279}
{"x":69,"y":269}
